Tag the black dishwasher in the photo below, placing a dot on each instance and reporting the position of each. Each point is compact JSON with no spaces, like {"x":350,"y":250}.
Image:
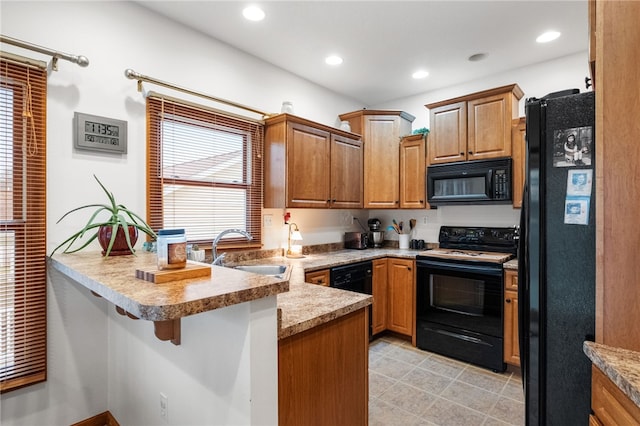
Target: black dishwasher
{"x":354,"y":277}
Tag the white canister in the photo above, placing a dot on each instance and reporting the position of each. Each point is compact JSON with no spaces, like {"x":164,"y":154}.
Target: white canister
{"x":287,"y":107}
{"x":404,"y":241}
{"x":172,"y":249}
{"x":344,"y":125}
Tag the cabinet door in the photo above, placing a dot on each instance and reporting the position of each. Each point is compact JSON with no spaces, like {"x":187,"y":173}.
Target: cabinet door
{"x":412,"y":173}
{"x":489,"y":127}
{"x":379,"y":309}
{"x":609,"y":404}
{"x":347,"y":158}
{"x":318,"y":277}
{"x":401,"y":291}
{"x":518,"y":153}
{"x":511,"y":343}
{"x":308,"y":157}
{"x":381,"y":161}
{"x":448,"y":136}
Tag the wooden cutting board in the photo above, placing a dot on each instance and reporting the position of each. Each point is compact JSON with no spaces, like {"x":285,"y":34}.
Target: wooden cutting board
{"x":157,"y":276}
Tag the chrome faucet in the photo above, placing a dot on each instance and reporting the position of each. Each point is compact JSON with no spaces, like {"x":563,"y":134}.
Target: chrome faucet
{"x":217,"y":260}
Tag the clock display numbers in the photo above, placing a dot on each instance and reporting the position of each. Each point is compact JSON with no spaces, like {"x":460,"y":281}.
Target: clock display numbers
{"x":101,"y":129}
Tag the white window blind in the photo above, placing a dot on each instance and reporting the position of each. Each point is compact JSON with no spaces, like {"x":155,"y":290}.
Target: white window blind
{"x":204,"y":172}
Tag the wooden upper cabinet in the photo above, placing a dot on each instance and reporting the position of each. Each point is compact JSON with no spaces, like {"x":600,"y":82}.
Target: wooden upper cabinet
{"x":448,"y":135}
{"x":309,"y":153}
{"x":308,"y":164}
{"x":473,"y":127}
{"x":346,"y":172}
{"x":381,"y":132}
{"x":413,"y":193}
{"x":518,"y":153}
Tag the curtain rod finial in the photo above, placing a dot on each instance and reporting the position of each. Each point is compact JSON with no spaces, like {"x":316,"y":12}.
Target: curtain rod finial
{"x":131,"y":74}
{"x":81,"y":60}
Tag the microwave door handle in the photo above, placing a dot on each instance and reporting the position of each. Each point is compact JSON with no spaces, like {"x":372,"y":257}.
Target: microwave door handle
{"x":489,"y":183}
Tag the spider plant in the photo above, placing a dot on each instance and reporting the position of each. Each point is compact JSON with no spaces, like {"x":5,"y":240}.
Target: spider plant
{"x":119,"y":216}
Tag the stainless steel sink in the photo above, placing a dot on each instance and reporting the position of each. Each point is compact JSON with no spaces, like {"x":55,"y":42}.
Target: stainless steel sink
{"x":274,"y":270}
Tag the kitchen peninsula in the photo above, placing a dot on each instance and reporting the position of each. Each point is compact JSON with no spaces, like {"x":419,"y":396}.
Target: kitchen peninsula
{"x":307,"y":318}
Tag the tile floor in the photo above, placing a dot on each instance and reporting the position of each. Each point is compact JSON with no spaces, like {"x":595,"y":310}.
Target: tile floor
{"x":408,"y":386}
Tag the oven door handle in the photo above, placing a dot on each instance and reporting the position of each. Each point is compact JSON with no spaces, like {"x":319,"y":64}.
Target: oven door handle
{"x":459,"y":336}
{"x":460,"y":267}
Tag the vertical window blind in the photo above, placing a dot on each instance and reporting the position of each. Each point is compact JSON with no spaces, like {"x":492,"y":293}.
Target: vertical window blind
{"x":204,"y":172}
{"x":23,"y":90}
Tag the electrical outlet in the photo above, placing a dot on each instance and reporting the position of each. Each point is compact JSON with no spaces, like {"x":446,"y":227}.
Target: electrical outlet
{"x":353,"y":220}
{"x":267,"y":220}
{"x":424,"y":220}
{"x":164,"y":407}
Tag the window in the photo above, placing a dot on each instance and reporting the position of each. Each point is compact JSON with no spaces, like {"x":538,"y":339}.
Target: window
{"x":22,"y":225}
{"x":204,"y":172}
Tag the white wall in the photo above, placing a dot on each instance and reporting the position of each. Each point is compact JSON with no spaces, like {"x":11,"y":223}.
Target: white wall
{"x":537,"y":80}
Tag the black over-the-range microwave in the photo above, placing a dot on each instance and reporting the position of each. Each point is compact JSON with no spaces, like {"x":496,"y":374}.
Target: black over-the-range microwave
{"x":470,"y":182}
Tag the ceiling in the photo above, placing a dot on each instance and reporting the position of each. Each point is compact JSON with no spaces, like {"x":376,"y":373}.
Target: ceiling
{"x":384,"y":42}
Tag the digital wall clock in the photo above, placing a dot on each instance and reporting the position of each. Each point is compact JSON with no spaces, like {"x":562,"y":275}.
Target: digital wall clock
{"x":100,"y":133}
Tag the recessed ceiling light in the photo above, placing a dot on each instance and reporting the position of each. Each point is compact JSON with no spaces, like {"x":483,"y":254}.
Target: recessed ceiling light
{"x":477,"y":57}
{"x":333,"y":60}
{"x":420,"y":74}
{"x":548,"y":36}
{"x":253,"y":13}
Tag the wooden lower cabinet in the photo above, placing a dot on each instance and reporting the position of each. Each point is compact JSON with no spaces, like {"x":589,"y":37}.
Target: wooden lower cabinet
{"x":401,"y":316}
{"x":323,"y":374}
{"x":379,"y":289}
{"x":610,"y":406}
{"x":321,"y":277}
{"x":511,"y":340}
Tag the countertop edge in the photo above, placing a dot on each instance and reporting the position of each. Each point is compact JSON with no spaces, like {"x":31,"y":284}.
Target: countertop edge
{"x":622,"y":366}
{"x":175,"y":310}
{"x":324,"y":318}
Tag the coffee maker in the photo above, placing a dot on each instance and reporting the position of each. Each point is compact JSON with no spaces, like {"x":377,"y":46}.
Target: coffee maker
{"x":376,"y":236}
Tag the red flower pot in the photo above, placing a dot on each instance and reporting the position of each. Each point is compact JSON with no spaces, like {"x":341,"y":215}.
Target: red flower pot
{"x":120,"y":246}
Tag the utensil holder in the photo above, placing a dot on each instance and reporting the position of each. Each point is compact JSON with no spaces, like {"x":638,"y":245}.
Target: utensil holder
{"x":403,"y":241}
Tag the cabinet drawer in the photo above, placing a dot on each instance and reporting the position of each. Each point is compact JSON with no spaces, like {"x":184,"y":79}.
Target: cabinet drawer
{"x":318,"y":277}
{"x":610,"y":405}
{"x":510,"y":280}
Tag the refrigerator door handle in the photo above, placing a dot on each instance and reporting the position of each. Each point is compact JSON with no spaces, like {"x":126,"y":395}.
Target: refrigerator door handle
{"x":523,"y":326}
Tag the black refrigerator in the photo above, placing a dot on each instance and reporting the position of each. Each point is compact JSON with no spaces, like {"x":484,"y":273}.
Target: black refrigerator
{"x":556,"y":258}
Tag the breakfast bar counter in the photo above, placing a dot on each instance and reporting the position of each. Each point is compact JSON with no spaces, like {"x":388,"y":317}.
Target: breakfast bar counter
{"x":114,"y":279}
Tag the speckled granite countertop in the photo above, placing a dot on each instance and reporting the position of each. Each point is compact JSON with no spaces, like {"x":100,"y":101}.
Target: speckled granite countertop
{"x":511,"y":264}
{"x":114,"y":279}
{"x":622,"y":366}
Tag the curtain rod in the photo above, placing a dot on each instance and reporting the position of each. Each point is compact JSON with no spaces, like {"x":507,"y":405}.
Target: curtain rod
{"x":132,"y":75}
{"x":76,"y":59}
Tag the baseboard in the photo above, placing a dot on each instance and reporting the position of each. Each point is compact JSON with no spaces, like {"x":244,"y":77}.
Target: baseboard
{"x":102,"y":419}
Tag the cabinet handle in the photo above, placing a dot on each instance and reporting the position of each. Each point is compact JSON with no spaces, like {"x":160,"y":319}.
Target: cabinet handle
{"x":471,"y":152}
{"x":333,"y":201}
{"x":508,"y":300}
{"x":421,"y":201}
{"x":462,"y":153}
{"x":328,"y":201}
{"x":397,"y":201}
{"x":409,"y":268}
